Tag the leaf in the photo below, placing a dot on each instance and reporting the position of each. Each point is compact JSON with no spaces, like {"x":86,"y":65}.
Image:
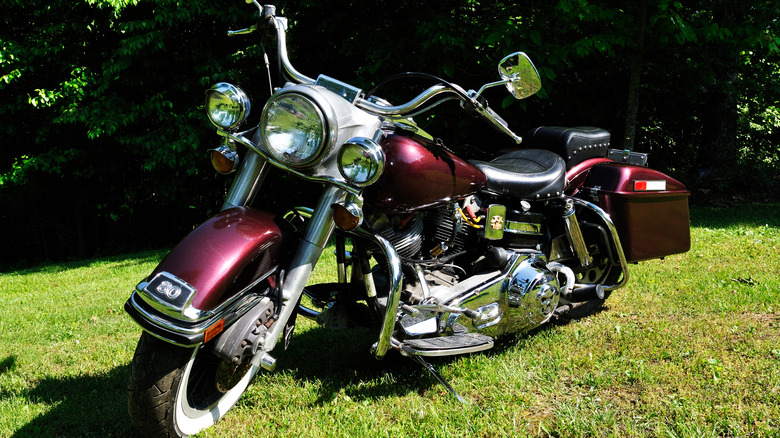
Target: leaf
{"x":536,"y":38}
{"x":549,"y":73}
{"x":509,"y":100}
{"x":448,"y":67}
{"x":493,"y":38}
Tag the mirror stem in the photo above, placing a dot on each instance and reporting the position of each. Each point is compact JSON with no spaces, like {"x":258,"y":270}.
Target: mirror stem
{"x":491,"y":85}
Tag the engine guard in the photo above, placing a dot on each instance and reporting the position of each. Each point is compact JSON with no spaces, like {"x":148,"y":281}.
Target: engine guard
{"x":203,"y":284}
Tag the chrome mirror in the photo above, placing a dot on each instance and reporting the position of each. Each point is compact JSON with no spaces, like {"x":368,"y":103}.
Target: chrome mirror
{"x":520,"y":75}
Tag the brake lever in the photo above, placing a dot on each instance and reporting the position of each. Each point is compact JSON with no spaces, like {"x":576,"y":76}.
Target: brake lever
{"x":480,"y":105}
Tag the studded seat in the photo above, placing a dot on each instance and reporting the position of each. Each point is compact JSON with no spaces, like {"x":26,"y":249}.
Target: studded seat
{"x":525,"y":174}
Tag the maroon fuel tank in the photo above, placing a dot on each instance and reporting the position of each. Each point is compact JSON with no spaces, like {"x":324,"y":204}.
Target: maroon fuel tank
{"x":416,"y":177}
{"x":225,"y":253}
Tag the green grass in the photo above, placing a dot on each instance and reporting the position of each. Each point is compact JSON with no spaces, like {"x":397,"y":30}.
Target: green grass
{"x":690,"y":348}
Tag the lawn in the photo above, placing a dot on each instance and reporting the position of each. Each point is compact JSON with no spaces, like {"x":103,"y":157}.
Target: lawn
{"x":690,"y":348}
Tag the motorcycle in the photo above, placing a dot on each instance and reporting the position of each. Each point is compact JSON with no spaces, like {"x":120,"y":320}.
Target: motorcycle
{"x":438,"y":254}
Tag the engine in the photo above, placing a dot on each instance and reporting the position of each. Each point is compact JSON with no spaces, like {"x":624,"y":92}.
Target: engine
{"x":427,"y":236}
{"x":447,"y":255}
{"x":459,"y":229}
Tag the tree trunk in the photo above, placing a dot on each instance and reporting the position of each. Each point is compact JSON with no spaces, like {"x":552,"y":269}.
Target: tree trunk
{"x":634,"y":81}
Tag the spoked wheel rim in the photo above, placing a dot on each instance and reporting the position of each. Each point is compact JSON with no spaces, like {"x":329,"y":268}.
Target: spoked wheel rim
{"x":199,"y":400}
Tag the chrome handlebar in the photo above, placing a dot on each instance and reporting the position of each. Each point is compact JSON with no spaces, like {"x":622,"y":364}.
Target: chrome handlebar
{"x":279,"y":25}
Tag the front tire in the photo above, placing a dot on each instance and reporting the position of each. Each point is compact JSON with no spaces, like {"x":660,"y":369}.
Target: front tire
{"x":174,"y":391}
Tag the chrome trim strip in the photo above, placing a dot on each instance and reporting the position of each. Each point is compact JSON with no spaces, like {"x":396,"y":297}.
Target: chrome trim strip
{"x":192,"y":314}
{"x":242,"y":305}
{"x":405,"y":350}
{"x":616,"y":240}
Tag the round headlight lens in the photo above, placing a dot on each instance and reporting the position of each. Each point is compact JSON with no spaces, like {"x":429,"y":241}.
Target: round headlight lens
{"x":294,"y":129}
{"x":361,"y":161}
{"x":227,"y":105}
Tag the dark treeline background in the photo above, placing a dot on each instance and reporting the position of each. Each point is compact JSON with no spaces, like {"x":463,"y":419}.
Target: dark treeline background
{"x":104,"y":138}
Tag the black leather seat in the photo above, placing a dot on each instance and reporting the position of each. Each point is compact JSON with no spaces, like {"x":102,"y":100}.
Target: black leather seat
{"x":525,"y":174}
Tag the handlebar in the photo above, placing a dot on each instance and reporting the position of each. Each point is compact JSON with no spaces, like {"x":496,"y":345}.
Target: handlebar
{"x":278,"y":25}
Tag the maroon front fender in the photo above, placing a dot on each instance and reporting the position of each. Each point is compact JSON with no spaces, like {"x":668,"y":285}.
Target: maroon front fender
{"x":226,"y":253}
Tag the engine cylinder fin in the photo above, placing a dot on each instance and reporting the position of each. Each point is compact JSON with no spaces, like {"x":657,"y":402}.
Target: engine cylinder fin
{"x":446,"y":227}
{"x":407,"y":240}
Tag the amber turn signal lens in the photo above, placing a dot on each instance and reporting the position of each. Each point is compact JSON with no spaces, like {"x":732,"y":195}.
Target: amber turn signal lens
{"x":224,"y":159}
{"x":347,"y":216}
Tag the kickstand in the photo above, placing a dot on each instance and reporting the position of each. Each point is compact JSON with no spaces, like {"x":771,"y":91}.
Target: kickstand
{"x":438,"y":376}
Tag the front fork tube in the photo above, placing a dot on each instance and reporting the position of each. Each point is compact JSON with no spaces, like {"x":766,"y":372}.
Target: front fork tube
{"x":248,"y":180}
{"x":306,"y":256}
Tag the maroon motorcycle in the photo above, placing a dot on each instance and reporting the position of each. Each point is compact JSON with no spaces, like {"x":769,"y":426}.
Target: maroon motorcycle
{"x":440,"y":255}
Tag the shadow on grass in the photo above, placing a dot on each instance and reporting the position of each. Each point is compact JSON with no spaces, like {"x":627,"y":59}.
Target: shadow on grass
{"x":8,"y":364}
{"x":83,"y":406}
{"x":340,"y":361}
{"x":750,"y":215}
{"x":120,"y":261}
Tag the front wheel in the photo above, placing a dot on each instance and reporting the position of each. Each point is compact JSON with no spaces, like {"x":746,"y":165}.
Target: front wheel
{"x":174,"y":391}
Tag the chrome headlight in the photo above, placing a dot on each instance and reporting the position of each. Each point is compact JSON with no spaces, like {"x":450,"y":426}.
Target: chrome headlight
{"x":227,"y":105}
{"x":361,"y":161}
{"x":294,"y":129}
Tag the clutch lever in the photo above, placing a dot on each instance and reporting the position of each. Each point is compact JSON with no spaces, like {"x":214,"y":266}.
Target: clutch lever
{"x":246,"y":31}
{"x":266,"y":20}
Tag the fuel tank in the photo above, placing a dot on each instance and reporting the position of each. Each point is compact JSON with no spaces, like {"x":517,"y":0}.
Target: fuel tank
{"x":417,"y":177}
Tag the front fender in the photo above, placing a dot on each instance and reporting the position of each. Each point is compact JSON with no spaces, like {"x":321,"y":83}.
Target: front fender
{"x":189,"y":291}
{"x":213,"y":256}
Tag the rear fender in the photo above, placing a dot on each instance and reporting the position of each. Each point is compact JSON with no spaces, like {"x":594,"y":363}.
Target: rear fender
{"x":203,"y":280}
{"x":577,"y":175}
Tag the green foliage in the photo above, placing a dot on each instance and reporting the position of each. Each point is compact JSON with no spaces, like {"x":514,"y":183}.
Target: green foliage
{"x":104,"y":115}
{"x":102,"y":99}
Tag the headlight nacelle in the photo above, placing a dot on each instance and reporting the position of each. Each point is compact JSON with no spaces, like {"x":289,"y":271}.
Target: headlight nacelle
{"x":227,"y":106}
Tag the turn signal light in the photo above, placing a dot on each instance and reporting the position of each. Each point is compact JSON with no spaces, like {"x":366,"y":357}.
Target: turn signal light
{"x":224,"y":159}
{"x":214,"y":330}
{"x":347,"y":216}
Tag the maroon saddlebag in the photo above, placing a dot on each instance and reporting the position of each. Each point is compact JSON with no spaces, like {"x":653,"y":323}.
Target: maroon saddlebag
{"x":649,"y":209}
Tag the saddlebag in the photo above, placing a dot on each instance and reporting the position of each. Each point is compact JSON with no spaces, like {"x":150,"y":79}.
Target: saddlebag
{"x":649,"y":209}
{"x":575,"y":145}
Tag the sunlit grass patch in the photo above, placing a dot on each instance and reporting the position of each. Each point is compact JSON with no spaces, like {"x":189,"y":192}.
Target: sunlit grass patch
{"x":691,"y":347}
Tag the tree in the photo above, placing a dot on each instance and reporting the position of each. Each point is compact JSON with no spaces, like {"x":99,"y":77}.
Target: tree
{"x":104,"y":126}
{"x":104,"y":131}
